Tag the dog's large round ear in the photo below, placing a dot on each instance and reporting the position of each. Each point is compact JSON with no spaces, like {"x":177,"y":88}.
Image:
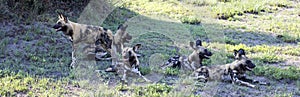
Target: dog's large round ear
{"x":241,"y":52}
{"x":192,"y":44}
{"x":66,"y":19}
{"x":136,"y":47}
{"x":60,"y":16}
{"x":198,"y":42}
{"x":235,"y":53}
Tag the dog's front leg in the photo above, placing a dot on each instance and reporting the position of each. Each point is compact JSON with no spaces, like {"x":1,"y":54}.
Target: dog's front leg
{"x":244,"y":78}
{"x":124,"y":76}
{"x":235,"y":79}
{"x":168,"y":64}
{"x":73,"y":56}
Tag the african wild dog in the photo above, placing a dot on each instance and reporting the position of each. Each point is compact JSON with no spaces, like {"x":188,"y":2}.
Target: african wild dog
{"x":81,"y":33}
{"x":236,"y":70}
{"x":129,"y":62}
{"x":193,"y":61}
{"x":121,"y":37}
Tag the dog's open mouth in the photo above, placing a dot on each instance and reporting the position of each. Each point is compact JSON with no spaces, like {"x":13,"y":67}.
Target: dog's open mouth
{"x":58,"y":29}
{"x":248,"y":68}
{"x":205,"y":56}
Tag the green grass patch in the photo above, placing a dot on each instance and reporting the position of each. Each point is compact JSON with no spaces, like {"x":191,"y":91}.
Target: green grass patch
{"x":153,"y":90}
{"x":278,"y":73}
{"x":169,"y":8}
{"x":172,"y":71}
{"x":287,"y":38}
{"x":239,"y":7}
{"x":13,"y":84}
{"x":145,"y":70}
{"x":268,"y":57}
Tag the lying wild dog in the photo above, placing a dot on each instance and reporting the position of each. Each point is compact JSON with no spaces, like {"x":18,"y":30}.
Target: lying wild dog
{"x":236,"y":70}
{"x":129,"y":62}
{"x":87,"y":34}
{"x":193,"y":61}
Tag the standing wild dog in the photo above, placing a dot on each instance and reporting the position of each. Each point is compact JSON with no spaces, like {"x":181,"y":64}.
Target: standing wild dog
{"x":88,"y":34}
{"x":193,"y":61}
{"x":130,"y":62}
{"x":236,"y":70}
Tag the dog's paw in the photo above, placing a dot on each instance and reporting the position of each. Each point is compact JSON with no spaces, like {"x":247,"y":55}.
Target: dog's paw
{"x":110,"y":70}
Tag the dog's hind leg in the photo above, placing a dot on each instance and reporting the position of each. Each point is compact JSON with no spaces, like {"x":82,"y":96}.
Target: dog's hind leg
{"x":124,"y":76}
{"x":73,"y":63}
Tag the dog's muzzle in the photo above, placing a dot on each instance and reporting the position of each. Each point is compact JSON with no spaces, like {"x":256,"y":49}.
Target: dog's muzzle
{"x":57,"y":27}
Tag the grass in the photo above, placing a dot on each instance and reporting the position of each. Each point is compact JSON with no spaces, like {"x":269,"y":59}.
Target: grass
{"x":13,"y":84}
{"x":230,"y":9}
{"x":268,"y":57}
{"x":169,"y":8}
{"x":153,"y":90}
{"x":172,"y":71}
{"x":278,"y":73}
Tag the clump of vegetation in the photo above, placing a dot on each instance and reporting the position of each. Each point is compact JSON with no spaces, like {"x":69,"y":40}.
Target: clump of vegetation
{"x":153,"y":90}
{"x":172,"y":71}
{"x":13,"y":84}
{"x":145,"y":70}
{"x":278,"y":73}
{"x":190,"y":20}
{"x":39,"y":10}
{"x":230,"y":41}
{"x":287,"y":38}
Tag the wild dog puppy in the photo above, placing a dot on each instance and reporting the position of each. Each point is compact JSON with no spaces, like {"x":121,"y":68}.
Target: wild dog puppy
{"x":88,"y":34}
{"x":193,"y":61}
{"x":130,"y":62}
{"x":236,"y":70}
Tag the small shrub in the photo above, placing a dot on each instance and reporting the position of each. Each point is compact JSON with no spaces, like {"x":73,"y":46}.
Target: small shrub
{"x":287,"y":38}
{"x":172,"y":71}
{"x":145,"y":70}
{"x":230,"y":41}
{"x":190,"y":20}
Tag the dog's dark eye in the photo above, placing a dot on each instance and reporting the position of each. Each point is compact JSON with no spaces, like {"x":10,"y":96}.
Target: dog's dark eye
{"x":59,"y":23}
{"x":205,"y":50}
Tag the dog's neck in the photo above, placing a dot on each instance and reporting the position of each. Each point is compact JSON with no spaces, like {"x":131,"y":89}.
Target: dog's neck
{"x":235,"y":65}
{"x":194,"y":57}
